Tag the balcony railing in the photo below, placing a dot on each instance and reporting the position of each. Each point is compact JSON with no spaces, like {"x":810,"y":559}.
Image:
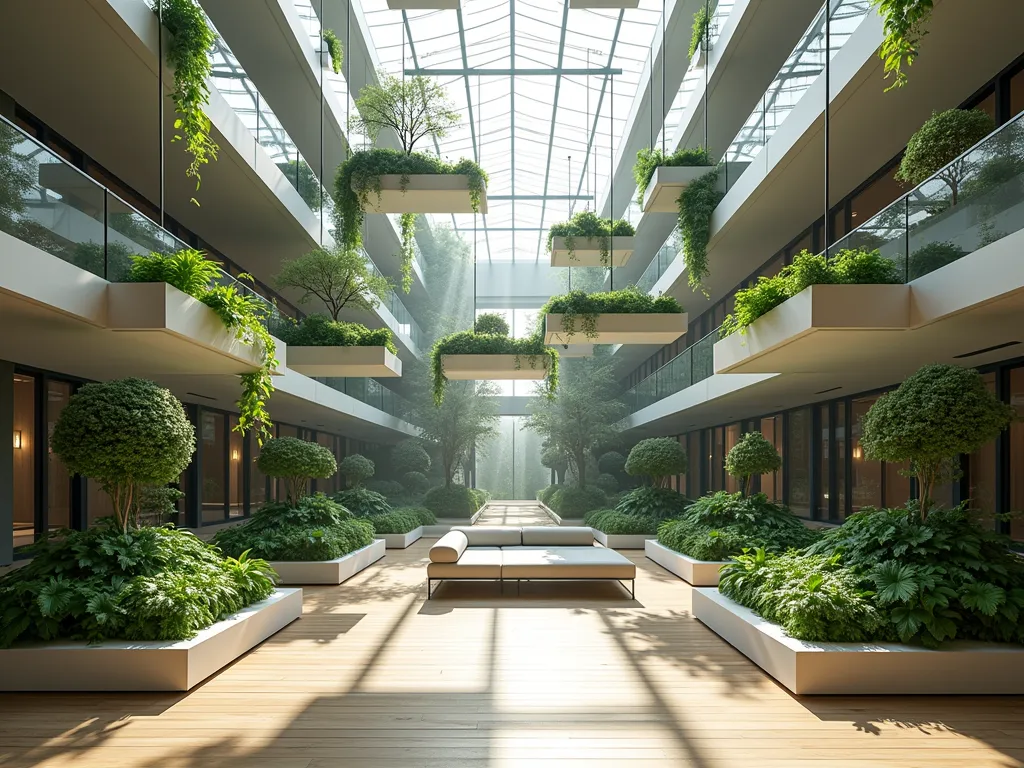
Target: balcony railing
{"x":658,"y":266}
{"x":374,"y":394}
{"x":692,"y":365}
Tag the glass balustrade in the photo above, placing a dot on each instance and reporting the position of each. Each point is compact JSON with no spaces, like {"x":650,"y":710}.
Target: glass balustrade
{"x":659,"y":264}
{"x":374,"y":394}
{"x":692,"y":365}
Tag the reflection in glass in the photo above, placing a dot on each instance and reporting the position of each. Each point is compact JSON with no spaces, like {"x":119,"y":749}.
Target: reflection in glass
{"x":24,"y":440}
{"x":58,"y":479}
{"x":799,"y":481}
{"x":211,"y":433}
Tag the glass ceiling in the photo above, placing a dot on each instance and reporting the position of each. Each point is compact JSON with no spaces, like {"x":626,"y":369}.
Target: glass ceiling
{"x":547,"y":140}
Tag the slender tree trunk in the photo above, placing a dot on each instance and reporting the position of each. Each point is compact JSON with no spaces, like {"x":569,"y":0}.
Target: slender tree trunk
{"x":581,"y":468}
{"x":744,"y":481}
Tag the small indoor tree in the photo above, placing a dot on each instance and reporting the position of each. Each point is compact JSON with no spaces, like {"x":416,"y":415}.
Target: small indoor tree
{"x":295,"y":462}
{"x":357,"y":469}
{"x":938,"y":413}
{"x":410,"y":456}
{"x":936,"y":144}
{"x":752,"y":455}
{"x":126,"y":434}
{"x":492,"y":323}
{"x":413,"y":108}
{"x":340,"y":277}
{"x":554,"y":458}
{"x":657,"y":458}
{"x":612,"y":463}
{"x":468,"y":416}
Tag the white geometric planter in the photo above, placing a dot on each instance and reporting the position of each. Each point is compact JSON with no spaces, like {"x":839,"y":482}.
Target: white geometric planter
{"x":656,"y":328}
{"x":586,"y":251}
{"x":400,"y":540}
{"x":861,"y":668}
{"x":424,"y":193}
{"x":699,"y":573}
{"x":667,"y":183}
{"x":329,"y":571}
{"x":495,"y":367}
{"x":622,"y":540}
{"x":350,"y":362}
{"x":147,"y":665}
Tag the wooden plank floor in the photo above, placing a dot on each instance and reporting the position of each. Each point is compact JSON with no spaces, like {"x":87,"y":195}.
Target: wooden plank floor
{"x":374,"y":676}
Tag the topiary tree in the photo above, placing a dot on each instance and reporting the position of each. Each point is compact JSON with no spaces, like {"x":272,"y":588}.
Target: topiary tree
{"x":295,"y":462}
{"x":657,"y":458}
{"x":410,"y":456}
{"x":937,"y":143}
{"x":752,"y":455}
{"x":554,"y":458}
{"x":492,"y":323}
{"x":612,"y":463}
{"x":415,"y":482}
{"x":607,"y":483}
{"x":934,"y":416}
{"x":126,"y":434}
{"x":356,"y":468}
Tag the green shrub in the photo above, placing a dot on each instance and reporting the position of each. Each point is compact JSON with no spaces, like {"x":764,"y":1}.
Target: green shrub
{"x":362,"y":502}
{"x":578,"y":307}
{"x":386,"y":488}
{"x":321,"y":331}
{"x":752,"y":455}
{"x":588,"y":225}
{"x":657,"y":458}
{"x":545,"y":495}
{"x":415,"y":482}
{"x":394,"y":522}
{"x":698,"y":35}
{"x":696,"y":204}
{"x":619,"y":524}
{"x":480,"y":497}
{"x":295,"y":462}
{"x":125,"y":434}
{"x":141,"y":584}
{"x":410,"y":456}
{"x":453,"y":501}
{"x":944,"y":137}
{"x":491,"y":323}
{"x":424,"y":515}
{"x":648,"y":160}
{"x":607,"y":483}
{"x":612,"y":463}
{"x":356,"y":468}
{"x":659,"y":503}
{"x":530,"y":352}
{"x":933,"y":256}
{"x":572,"y":502}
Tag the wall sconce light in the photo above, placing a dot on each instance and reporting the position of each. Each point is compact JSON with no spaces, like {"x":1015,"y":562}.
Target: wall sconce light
{"x":234,"y":454}
{"x":857,"y":452}
{"x":17,"y":438}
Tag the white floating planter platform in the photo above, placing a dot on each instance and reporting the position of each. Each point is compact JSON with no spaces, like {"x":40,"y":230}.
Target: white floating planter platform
{"x":147,"y":665}
{"x":329,"y":571}
{"x":350,"y":362}
{"x":587,"y":251}
{"x":960,"y":667}
{"x":667,"y":183}
{"x":422,"y":5}
{"x":656,"y":328}
{"x":400,"y":540}
{"x":622,"y":540}
{"x":699,"y":573}
{"x":424,"y":193}
{"x":494,"y":367}
{"x":604,"y":3}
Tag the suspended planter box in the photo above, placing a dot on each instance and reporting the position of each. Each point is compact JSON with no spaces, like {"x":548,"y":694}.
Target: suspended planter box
{"x":348,"y":362}
{"x":591,"y":251}
{"x":654,"y":328}
{"x":494,"y":367}
{"x":424,"y":193}
{"x":423,"y":5}
{"x":576,"y":350}
{"x":604,"y":4}
{"x":667,"y":184}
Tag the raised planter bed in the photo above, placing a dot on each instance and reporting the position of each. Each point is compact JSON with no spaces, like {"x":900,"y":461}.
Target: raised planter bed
{"x":654,"y":328}
{"x":348,"y":362}
{"x":586,"y":251}
{"x":622,"y":540}
{"x":445,"y":524}
{"x":699,"y":573}
{"x":496,"y":367}
{"x":961,"y":667}
{"x":424,"y":192}
{"x":329,"y":571}
{"x":152,"y":665}
{"x":400,"y":540}
{"x":559,"y":520}
{"x":667,"y":184}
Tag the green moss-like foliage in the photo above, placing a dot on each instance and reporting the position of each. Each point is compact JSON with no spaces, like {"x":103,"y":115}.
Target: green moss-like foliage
{"x":453,"y":501}
{"x":579,"y":310}
{"x":410,"y":456}
{"x":936,"y":414}
{"x":928,"y":258}
{"x":424,"y":515}
{"x":752,"y":455}
{"x":296,"y":462}
{"x":619,"y":523}
{"x":492,"y":324}
{"x":573,"y":502}
{"x":607,"y":483}
{"x":944,"y":137}
{"x":356,"y":469}
{"x":701,"y":22}
{"x":334,"y":49}
{"x":143,"y":584}
{"x":387,"y":488}
{"x":321,"y":331}
{"x":659,"y":503}
{"x":845,"y":267}
{"x":588,"y":225}
{"x":648,"y":160}
{"x":545,"y":495}
{"x":657,"y":458}
{"x":394,"y":522}
{"x":362,"y":502}
{"x":722,"y":525}
{"x":530,"y":352}
{"x":696,"y":205}
{"x":125,"y":434}
{"x":612,"y":463}
{"x":415,"y":482}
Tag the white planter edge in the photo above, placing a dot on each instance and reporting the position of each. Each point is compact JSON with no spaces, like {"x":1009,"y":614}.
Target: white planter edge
{"x":698,"y":573}
{"x":330,"y":572}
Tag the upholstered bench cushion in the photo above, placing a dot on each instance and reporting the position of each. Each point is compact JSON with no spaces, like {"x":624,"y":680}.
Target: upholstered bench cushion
{"x":449,"y":548}
{"x":475,"y":563}
{"x":564,"y":563}
{"x":558,"y":536}
{"x":491,"y":535}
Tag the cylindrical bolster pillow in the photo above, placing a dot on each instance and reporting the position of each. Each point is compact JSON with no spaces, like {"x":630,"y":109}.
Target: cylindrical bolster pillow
{"x":449,"y":548}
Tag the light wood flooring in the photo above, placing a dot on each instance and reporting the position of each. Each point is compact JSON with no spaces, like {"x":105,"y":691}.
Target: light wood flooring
{"x":374,"y":676}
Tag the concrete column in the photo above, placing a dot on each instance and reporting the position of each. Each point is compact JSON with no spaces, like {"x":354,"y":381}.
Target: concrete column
{"x":6,"y":462}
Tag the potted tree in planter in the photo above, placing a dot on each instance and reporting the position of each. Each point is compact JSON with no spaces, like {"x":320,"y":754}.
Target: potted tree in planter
{"x":628,"y":316}
{"x":586,"y":240}
{"x":753,"y":455}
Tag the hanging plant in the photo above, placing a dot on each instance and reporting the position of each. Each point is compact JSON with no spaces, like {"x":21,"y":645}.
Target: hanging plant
{"x":584,"y":308}
{"x":649,"y":160}
{"x":530,"y":351}
{"x":903,"y":24}
{"x":696,"y":205}
{"x":188,"y":54}
{"x":408,"y":229}
{"x":701,"y":22}
{"x":333,"y":49}
{"x":191,"y":272}
{"x":588,"y":225}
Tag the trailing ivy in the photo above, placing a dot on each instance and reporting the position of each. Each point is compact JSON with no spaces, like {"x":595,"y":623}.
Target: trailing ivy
{"x":588,"y":225}
{"x":583,"y":308}
{"x":333,"y":49}
{"x":701,"y":22}
{"x":188,"y":54}
{"x":903,"y":24}
{"x":649,"y":160}
{"x":696,"y":205}
{"x":407,"y":225}
{"x":530,"y":351}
